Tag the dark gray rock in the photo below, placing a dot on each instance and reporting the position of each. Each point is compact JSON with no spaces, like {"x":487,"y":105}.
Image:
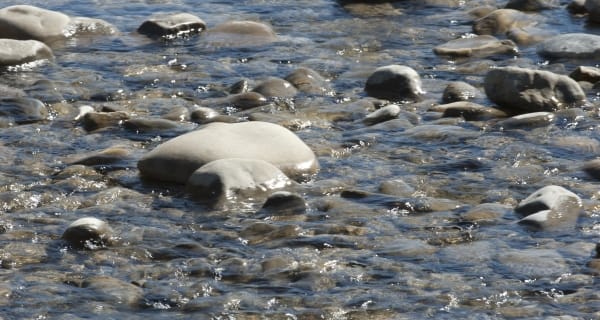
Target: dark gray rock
{"x":469,"y":111}
{"x":172,"y":25}
{"x":571,"y":46}
{"x":577,"y":7}
{"x":97,"y":120}
{"x":23,"y":110}
{"x":460,"y":91}
{"x":394,"y":82}
{"x":527,"y":121}
{"x":142,"y":125}
{"x":478,"y":46}
{"x":532,"y":90}
{"x":276,"y":87}
{"x":249,"y":100}
{"x":501,"y":21}
{"x":88,"y":233}
{"x":532,"y":5}
{"x":584,"y":73}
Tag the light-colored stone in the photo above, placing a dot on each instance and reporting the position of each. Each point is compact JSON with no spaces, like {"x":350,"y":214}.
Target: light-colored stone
{"x":389,"y":112}
{"x":532,"y":90}
{"x":394,"y":82}
{"x":501,"y":21}
{"x":468,"y":110}
{"x":234,"y":180}
{"x":551,"y":207}
{"x":176,"y":159}
{"x":25,"y":22}
{"x":478,"y":46}
{"x":527,"y":120}
{"x":15,"y":52}
{"x":460,"y":91}
{"x":585,"y":73}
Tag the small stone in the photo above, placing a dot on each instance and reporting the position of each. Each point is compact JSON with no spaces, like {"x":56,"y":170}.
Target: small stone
{"x":394,"y":82}
{"x":234,"y":180}
{"x":103,"y":157}
{"x":532,"y":5}
{"x":396,"y":188}
{"x":283,"y":204}
{"x":571,"y":46}
{"x":142,"y":125}
{"x":469,"y":111}
{"x":593,"y":9}
{"x":592,"y":168}
{"x":527,"y":121}
{"x":15,"y":52}
{"x":386,"y":113}
{"x":113,"y":290}
{"x":202,"y":114}
{"x":486,"y":213}
{"x":309,"y":81}
{"x":240,"y":34}
{"x":247,"y":100}
{"x":276,"y":87}
{"x":501,"y":21}
{"x":239,"y":87}
{"x":577,"y":7}
{"x":88,"y":233}
{"x":84,"y":25}
{"x":23,"y":22}
{"x":478,"y":46}
{"x":584,"y":73}
{"x":23,"y":110}
{"x":97,"y":120}
{"x":532,"y":90}
{"x":172,"y":25}
{"x":460,"y":91}
{"x":550,"y":207}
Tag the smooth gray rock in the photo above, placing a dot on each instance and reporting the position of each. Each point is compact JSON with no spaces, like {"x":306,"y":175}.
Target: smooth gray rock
{"x":113,"y":291}
{"x":551,"y":207}
{"x":103,"y":157}
{"x":276,"y":87}
{"x":532,"y":90}
{"x":309,"y":81}
{"x":501,"y":21}
{"x":532,"y":5}
{"x":460,"y":91}
{"x":203,"y":114}
{"x":478,"y":46}
{"x":25,"y":22}
{"x":248,"y":100}
{"x":171,"y":25}
{"x":584,"y":73}
{"x":239,"y":34}
{"x":15,"y":52}
{"x":527,"y":121}
{"x":394,"y":82}
{"x":23,"y":110}
{"x":141,"y":125}
{"x":88,"y":233}
{"x":389,"y":112}
{"x":234,"y":179}
{"x":571,"y":46}
{"x":469,"y":111}
{"x":176,"y":159}
{"x":97,"y":120}
{"x":593,"y":9}
{"x":283,"y":203}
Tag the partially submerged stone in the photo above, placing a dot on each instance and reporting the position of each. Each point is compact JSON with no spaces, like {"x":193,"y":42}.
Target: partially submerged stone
{"x":386,"y":113}
{"x":551,"y":207}
{"x":16,"y":52}
{"x":235,"y":179}
{"x":527,"y":120}
{"x":585,"y":73}
{"x":309,"y":81}
{"x":88,"y":233}
{"x":459,"y":91}
{"x":501,"y":21}
{"x":171,"y":25}
{"x":532,"y":90}
{"x":479,"y":46}
{"x":97,"y":120}
{"x":23,"y":110}
{"x":275,"y":87}
{"x":176,"y":159}
{"x":532,"y":5}
{"x":468,"y":110}
{"x":240,"y":34}
{"x":571,"y":46}
{"x":394,"y":82}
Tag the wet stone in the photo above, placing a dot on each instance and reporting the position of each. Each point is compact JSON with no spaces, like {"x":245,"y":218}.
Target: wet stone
{"x":532,"y":90}
{"x":397,"y":188}
{"x":249,"y":100}
{"x":172,"y":25}
{"x":19,"y":254}
{"x":585,"y":73}
{"x":202,"y":114}
{"x":309,"y":81}
{"x":176,"y":159}
{"x":23,"y":110}
{"x":478,"y":46}
{"x":25,"y":22}
{"x":284,"y":203}
{"x":460,"y":91}
{"x":501,"y":21}
{"x":593,"y":9}
{"x":15,"y":52}
{"x":592,"y":168}
{"x":527,"y":121}
{"x":142,"y":125}
{"x":532,"y":5}
{"x":577,"y":7}
{"x":383,"y":114}
{"x":88,"y":233}
{"x":533,"y":263}
{"x":234,"y":180}
{"x":240,"y":34}
{"x":551,"y":207}
{"x":87,"y":26}
{"x":103,"y":157}
{"x":275,"y":87}
{"x":113,"y":290}
{"x":469,"y":111}
{"x":486,"y":213}
{"x":97,"y":120}
{"x":394,"y":82}
{"x":571,"y":46}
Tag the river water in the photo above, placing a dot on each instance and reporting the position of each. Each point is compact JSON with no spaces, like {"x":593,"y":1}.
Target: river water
{"x":445,"y":246}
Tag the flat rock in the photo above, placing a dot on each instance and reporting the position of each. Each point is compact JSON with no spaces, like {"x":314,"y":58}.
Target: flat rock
{"x":176,"y":159}
{"x":394,"y":82}
{"x":532,"y":5}
{"x":501,"y":21}
{"x":240,"y":33}
{"x":275,"y":87}
{"x":309,"y":81}
{"x":97,"y":120}
{"x":533,"y":263}
{"x":103,"y":157}
{"x":235,"y":180}
{"x":142,"y":125}
{"x":478,"y":46}
{"x":171,"y":25}
{"x":460,"y":91}
{"x":550,"y":207}
{"x":571,"y":46}
{"x":281,"y":204}
{"x":469,"y":111}
{"x":23,"y":110}
{"x":527,"y":120}
{"x":389,"y":112}
{"x":113,"y":290}
{"x":532,"y":90}
{"x":88,"y":233}
{"x":15,"y":52}
{"x":585,"y":73}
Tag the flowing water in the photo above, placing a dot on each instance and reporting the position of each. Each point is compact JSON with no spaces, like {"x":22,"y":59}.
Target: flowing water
{"x":356,"y":253}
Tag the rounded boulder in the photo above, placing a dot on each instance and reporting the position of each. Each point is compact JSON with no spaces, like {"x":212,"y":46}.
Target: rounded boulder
{"x":176,"y":159}
{"x":394,"y":82}
{"x":88,"y":233}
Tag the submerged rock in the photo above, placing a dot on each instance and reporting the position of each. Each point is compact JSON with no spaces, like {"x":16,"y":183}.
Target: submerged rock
{"x":240,"y":34}
{"x":584,"y":73}
{"x":394,"y":82}
{"x":235,"y":180}
{"x":23,"y":110}
{"x":501,"y":21}
{"x":386,"y":113}
{"x":532,"y":90}
{"x":88,"y":233}
{"x":176,"y":159}
{"x":527,"y":120}
{"x":469,"y":111}
{"x":460,"y":91}
{"x":571,"y":46}
{"x":275,"y":87}
{"x":171,"y":25}
{"x":309,"y":81}
{"x":15,"y":52}
{"x":479,"y":46}
{"x":551,"y":207}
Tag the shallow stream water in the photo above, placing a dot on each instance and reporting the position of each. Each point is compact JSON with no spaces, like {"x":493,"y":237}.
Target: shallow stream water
{"x":356,"y":253}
